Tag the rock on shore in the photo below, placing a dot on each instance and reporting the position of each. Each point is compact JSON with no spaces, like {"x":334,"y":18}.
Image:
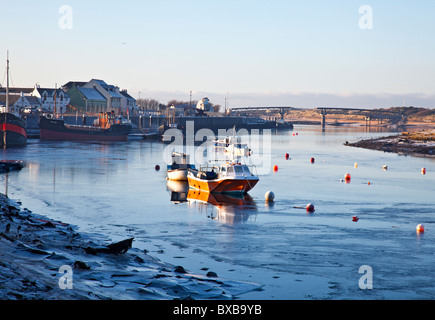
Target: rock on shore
{"x":45,"y":259}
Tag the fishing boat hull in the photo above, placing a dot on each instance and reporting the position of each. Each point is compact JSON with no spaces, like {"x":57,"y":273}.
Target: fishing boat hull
{"x":177,"y":171}
{"x":54,"y":129}
{"x":226,"y":185}
{"x":13,"y":131}
{"x":177,"y":174}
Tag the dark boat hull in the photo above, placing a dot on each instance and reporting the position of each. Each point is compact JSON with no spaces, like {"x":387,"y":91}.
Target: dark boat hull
{"x":54,"y":129}
{"x":13,"y":131}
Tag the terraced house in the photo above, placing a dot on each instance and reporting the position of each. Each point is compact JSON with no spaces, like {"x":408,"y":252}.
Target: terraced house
{"x":97,"y":96}
{"x":87,"y":100}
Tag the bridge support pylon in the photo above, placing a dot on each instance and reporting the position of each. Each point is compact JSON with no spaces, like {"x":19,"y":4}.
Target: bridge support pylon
{"x":323,"y":119}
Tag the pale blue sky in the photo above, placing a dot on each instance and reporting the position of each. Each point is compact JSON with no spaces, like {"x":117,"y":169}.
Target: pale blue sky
{"x":261,"y":52}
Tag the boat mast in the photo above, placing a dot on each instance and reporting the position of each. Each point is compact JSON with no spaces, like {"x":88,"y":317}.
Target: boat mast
{"x":7,"y":83}
{"x":54,"y":110}
{"x":7,"y":102}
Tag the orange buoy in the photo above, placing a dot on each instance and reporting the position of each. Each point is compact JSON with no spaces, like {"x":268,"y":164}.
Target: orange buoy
{"x":420,"y":228}
{"x":347,"y":176}
{"x":369,"y":183}
{"x":355,"y":165}
{"x":423,"y":171}
{"x":275,"y":168}
{"x":287,"y":156}
{"x":157,"y":167}
{"x":310,"y":208}
{"x":312,"y":160}
{"x":355,"y":219}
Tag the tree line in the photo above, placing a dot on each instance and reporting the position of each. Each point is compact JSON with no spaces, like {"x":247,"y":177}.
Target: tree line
{"x":149,"y":104}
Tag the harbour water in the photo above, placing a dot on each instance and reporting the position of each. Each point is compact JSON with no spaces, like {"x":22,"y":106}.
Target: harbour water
{"x":114,"y":189}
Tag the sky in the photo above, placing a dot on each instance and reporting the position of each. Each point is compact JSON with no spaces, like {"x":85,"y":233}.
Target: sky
{"x":368,"y":53}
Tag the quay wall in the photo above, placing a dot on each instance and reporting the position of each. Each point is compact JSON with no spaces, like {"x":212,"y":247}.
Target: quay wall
{"x":154,"y":122}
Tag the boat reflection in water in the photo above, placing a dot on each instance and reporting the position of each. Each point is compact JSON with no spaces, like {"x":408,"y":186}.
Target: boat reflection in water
{"x":227,"y":208}
{"x":178,"y":190}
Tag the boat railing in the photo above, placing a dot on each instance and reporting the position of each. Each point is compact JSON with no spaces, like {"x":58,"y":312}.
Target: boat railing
{"x":213,"y":167}
{"x":82,"y":126}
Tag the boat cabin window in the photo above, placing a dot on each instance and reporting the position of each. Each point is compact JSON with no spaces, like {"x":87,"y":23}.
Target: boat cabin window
{"x":230,"y":170}
{"x":246,"y":170}
{"x":239,"y":169}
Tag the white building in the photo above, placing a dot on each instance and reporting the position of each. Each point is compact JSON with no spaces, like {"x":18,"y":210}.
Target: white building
{"x":47,"y":98}
{"x":19,"y":104}
{"x":204,"y":104}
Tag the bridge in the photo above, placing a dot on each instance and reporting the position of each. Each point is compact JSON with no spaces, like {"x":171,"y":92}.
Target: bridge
{"x":249,"y":110}
{"x":370,"y":114}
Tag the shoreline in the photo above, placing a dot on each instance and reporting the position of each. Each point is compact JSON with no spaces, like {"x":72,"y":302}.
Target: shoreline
{"x":34,"y":248}
{"x":418,"y":143}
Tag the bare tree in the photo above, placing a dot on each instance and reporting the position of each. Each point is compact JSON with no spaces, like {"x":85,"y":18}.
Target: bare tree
{"x":148,"y":104}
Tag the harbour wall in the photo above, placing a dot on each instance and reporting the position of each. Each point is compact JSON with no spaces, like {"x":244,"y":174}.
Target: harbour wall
{"x":156,"y":122}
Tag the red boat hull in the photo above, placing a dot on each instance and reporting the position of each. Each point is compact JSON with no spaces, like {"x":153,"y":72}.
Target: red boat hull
{"x":12,"y":130}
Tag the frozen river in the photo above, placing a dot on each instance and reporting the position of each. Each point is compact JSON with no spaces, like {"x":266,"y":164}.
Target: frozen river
{"x":115,"y":190}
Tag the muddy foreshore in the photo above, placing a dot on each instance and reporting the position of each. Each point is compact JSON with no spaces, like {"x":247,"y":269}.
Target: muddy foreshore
{"x":42,"y":259}
{"x":420,"y":143}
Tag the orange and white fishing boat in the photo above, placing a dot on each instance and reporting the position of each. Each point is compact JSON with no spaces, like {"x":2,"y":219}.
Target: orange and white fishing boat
{"x":229,"y":177}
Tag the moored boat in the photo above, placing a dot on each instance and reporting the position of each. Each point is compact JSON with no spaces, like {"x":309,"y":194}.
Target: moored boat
{"x":11,"y":165}
{"x":179,"y":167}
{"x":106,"y":128}
{"x":229,"y":177}
{"x":12,"y":128}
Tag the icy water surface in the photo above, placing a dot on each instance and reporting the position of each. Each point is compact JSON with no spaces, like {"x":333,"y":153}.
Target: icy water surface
{"x":114,"y":189}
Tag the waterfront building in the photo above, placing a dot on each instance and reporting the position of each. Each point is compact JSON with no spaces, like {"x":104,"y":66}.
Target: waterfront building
{"x":101,"y":97}
{"x":87,"y":100}
{"x":128,"y":103}
{"x":17,"y":91}
{"x":19,"y":104}
{"x":12,"y":101}
{"x":110,"y":92}
{"x":50,"y":98}
{"x":204,"y":104}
